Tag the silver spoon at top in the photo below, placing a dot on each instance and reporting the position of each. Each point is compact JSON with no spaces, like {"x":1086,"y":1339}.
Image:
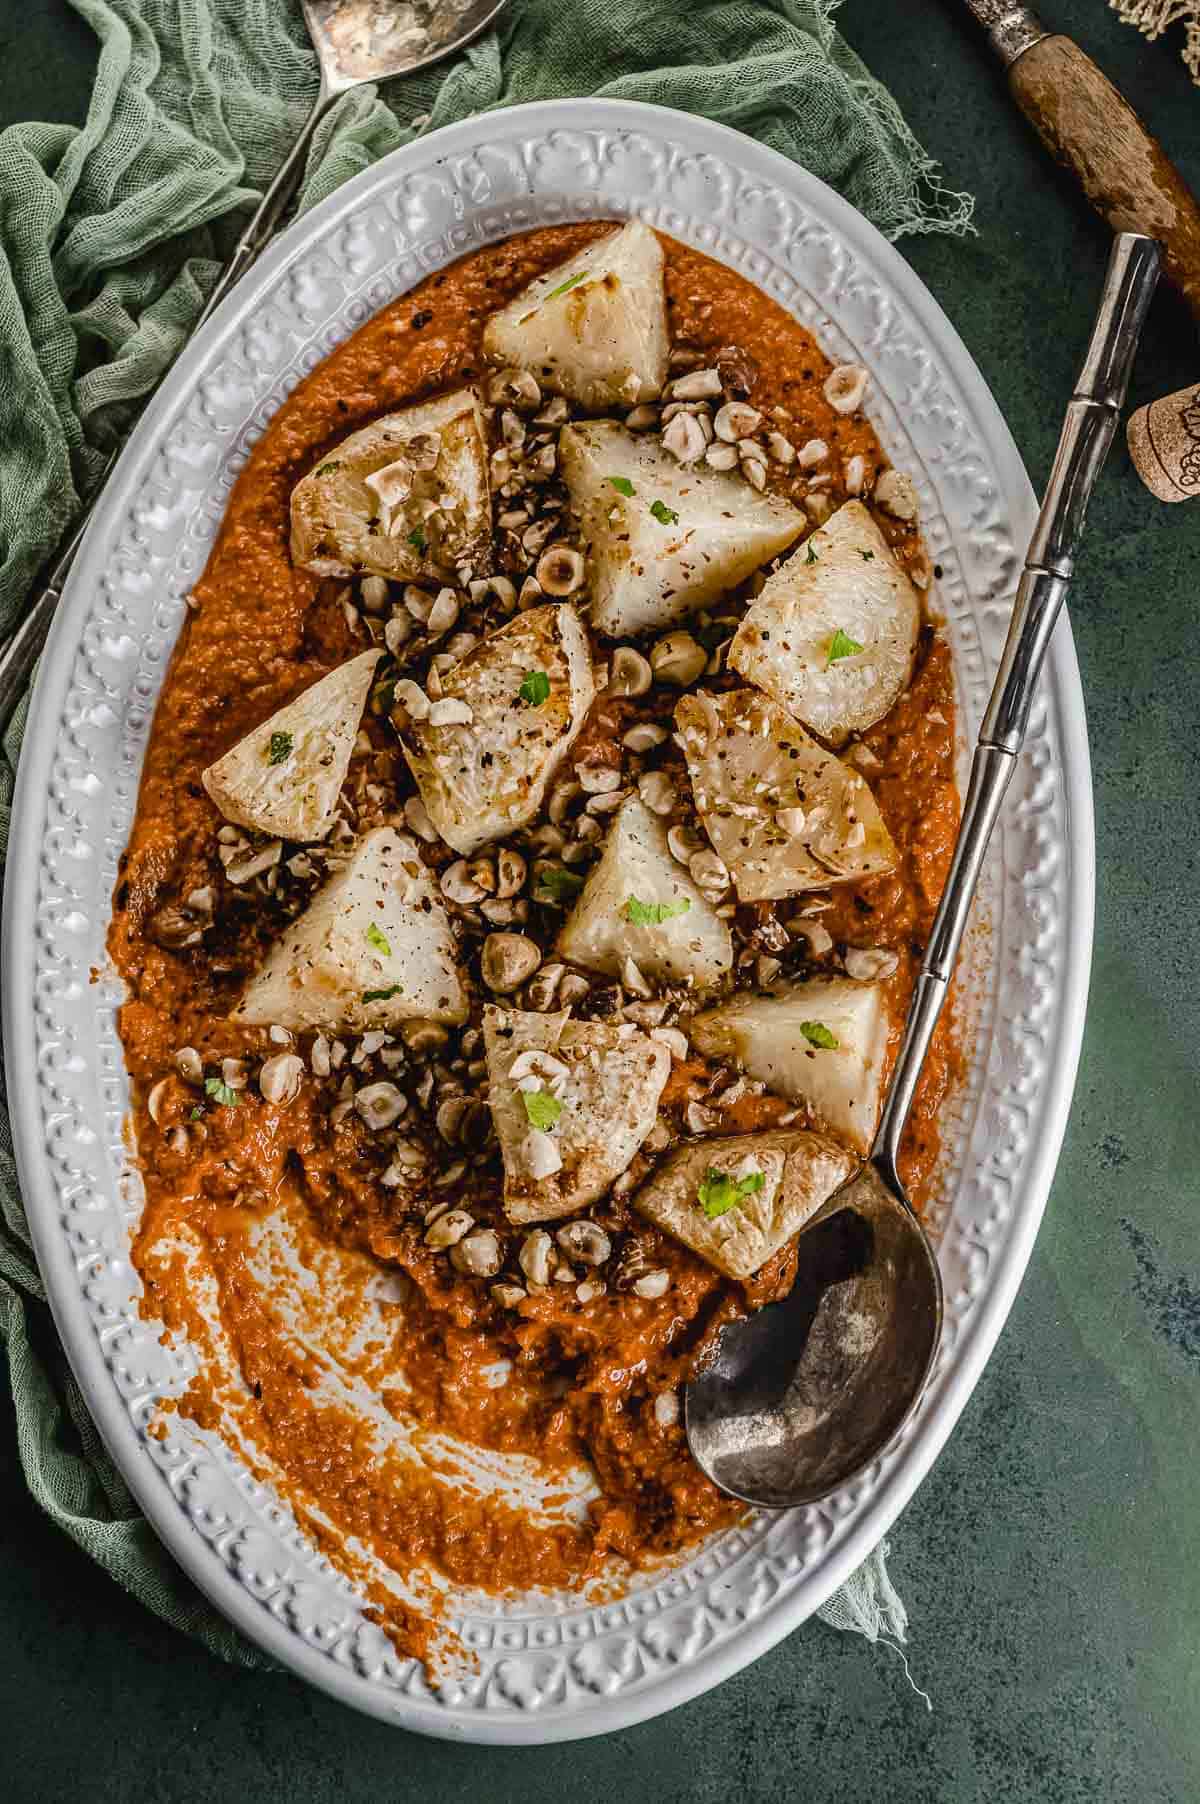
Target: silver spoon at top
{"x":356,"y":41}
{"x":800,"y":1398}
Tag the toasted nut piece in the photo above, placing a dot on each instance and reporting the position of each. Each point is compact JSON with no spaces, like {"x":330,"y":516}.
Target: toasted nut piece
{"x":629,"y":673}
{"x":755,"y":472}
{"x":589,"y":1290}
{"x":678,"y":659}
{"x":644,"y":736}
{"x":675,"y":1041}
{"x":709,"y":871}
{"x":174,"y":928}
{"x":536,"y":1256}
{"x":897,"y":494}
{"x":598,"y":779}
{"x":508,"y":1295}
{"x":412,"y":698}
{"x":811,"y":454}
{"x":870,"y":963}
{"x":543,"y":987}
{"x":450,"y":712}
{"x":856,"y":475}
{"x":482,"y":872}
{"x":684,"y":438}
{"x":781,"y":449}
{"x":423,"y":1036}
{"x":573,"y":989}
{"x":560,"y":570}
{"x":845,"y":387}
{"x":721,"y":456}
{"x":380,"y":1104}
{"x":478,"y":1255}
{"x":541,"y":1154}
{"x":514,"y":388}
{"x":652,"y":1284}
{"x":189,"y":1065}
{"x":449,"y":1229}
{"x":156,"y":1099}
{"x":736,"y":420}
{"x":818,"y":507}
{"x":696,"y":385}
{"x":658,"y":792}
{"x":510,"y":872}
{"x":450,"y":1117}
{"x":280,"y":1078}
{"x":443,"y":613}
{"x":683,"y":843}
{"x":458,"y":886}
{"x":374,"y":594}
{"x":507,"y":961}
{"x":666,"y":1408}
{"x":584,"y":1241}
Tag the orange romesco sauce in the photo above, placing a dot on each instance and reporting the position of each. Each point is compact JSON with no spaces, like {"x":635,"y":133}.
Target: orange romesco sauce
{"x":584,"y":1376}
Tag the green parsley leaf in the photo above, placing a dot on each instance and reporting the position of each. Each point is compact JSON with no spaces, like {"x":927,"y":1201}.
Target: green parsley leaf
{"x":868,"y":557}
{"x":418,"y":541}
{"x":558,"y":884}
{"x":535,"y":689}
{"x":220,"y":1092}
{"x":565,"y":287}
{"x":719,"y":1193}
{"x":622,"y":485}
{"x":649,"y":914}
{"x":817,"y":1034}
{"x":665,"y":515}
{"x":542,"y":1110}
{"x":381,"y":995}
{"x":811,"y":557}
{"x":378,"y":939}
{"x":842,"y":646}
{"x":324,"y":469}
{"x":197,"y":1114}
{"x":280,"y":748}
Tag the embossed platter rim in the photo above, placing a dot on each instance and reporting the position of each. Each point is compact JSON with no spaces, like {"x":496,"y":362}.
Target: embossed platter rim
{"x":548,"y":1674}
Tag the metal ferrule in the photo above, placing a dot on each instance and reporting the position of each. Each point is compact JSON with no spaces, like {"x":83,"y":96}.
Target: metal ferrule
{"x":1011,"y":29}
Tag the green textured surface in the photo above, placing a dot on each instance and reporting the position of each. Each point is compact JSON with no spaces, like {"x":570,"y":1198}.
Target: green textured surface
{"x":1051,"y":1562}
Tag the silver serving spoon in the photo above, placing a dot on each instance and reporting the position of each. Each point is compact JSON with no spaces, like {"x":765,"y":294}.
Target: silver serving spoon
{"x":802,"y":1396}
{"x":356,"y":41}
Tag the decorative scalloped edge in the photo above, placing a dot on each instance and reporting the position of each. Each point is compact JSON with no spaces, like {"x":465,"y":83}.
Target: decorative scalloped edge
{"x":412,"y":214}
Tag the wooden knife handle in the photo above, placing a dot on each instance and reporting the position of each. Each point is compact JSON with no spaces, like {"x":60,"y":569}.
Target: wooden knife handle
{"x":1125,"y":172}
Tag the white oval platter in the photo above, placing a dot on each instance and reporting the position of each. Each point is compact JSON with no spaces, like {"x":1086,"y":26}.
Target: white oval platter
{"x":545,"y":1671}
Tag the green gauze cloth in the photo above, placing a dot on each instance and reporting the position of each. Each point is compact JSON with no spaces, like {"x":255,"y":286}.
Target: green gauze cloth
{"x":111,"y":238}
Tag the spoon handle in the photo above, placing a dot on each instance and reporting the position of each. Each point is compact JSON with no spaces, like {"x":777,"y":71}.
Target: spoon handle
{"x":1091,"y":419}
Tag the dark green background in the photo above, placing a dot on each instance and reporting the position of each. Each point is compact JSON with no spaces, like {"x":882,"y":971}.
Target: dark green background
{"x":1051,"y":1563}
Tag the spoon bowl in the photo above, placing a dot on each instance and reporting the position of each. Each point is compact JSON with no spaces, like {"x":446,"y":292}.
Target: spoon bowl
{"x":358,"y":41}
{"x":801,"y":1396}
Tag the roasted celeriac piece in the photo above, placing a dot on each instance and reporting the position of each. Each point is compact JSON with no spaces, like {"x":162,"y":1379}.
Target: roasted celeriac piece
{"x":572,"y":1101}
{"x":507,"y":715}
{"x":736,"y":1201}
{"x":406,"y":497}
{"x":594,"y":328}
{"x":833,"y":633}
{"x":284,"y":777}
{"x":663,"y":538}
{"x":822,"y":1043}
{"x":373,"y":948}
{"x":783,"y":813}
{"x":640,"y":916}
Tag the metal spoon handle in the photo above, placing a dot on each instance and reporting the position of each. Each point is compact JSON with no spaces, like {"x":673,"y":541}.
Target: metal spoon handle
{"x":1091,"y":419}
{"x":19,"y":656}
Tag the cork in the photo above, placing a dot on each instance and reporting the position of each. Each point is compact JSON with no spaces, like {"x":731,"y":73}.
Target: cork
{"x":1164,"y":443}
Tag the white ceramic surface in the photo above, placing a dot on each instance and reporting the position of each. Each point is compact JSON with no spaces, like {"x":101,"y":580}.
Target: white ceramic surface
{"x":567,"y":1670}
